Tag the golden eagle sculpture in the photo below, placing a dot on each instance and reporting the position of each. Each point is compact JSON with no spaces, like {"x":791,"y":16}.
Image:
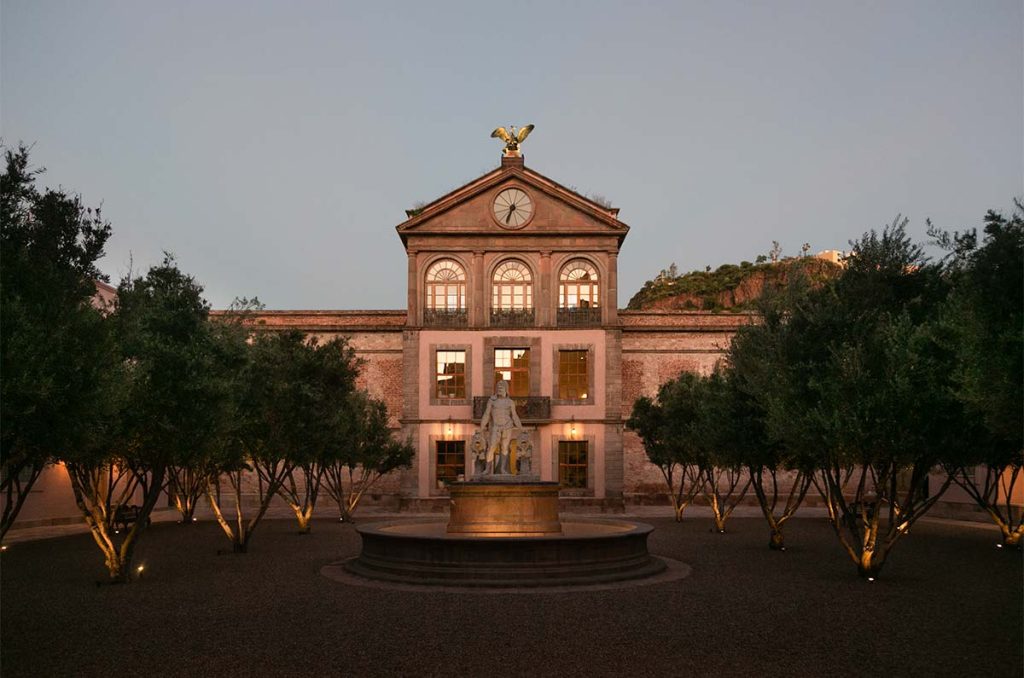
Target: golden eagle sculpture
{"x":512,"y":139}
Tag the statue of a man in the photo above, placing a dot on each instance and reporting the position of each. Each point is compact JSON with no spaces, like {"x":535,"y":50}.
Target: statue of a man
{"x":501,"y":418}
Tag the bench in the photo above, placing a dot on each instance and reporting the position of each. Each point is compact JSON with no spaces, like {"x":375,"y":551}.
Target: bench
{"x":126,"y":516}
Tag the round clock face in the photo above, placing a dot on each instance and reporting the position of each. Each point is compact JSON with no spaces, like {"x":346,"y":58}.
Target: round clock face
{"x":512,"y":208}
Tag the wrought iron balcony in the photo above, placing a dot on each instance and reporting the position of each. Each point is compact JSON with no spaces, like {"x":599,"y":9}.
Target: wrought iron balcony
{"x":579,"y":317}
{"x":512,"y":318}
{"x":531,"y":409}
{"x":433,"y":317}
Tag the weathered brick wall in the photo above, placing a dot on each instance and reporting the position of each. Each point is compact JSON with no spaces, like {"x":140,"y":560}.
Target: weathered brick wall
{"x":656,"y":347}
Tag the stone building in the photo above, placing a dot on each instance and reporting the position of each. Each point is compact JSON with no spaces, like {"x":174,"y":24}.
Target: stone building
{"x":514,"y":276}
{"x":511,"y":276}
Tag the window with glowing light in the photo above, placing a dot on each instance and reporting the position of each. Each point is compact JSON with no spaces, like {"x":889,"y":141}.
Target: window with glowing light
{"x":572,"y":464}
{"x":451,"y":460}
{"x":573,"y":375}
{"x":512,"y":287}
{"x":450,"y":376}
{"x":513,"y":365}
{"x":446,"y":286}
{"x":578,"y":285}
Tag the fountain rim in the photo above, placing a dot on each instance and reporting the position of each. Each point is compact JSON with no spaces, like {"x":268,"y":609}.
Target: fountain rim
{"x":378,"y":528}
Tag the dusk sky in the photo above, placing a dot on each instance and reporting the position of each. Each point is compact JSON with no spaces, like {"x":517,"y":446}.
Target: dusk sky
{"x":273,"y":147}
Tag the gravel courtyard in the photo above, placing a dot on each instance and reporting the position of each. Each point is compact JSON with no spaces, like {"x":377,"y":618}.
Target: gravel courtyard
{"x":948,"y":604}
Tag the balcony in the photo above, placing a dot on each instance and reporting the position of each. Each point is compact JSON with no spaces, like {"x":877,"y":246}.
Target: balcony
{"x":445,"y":318}
{"x":512,"y":318}
{"x":531,"y":409}
{"x":579,"y":317}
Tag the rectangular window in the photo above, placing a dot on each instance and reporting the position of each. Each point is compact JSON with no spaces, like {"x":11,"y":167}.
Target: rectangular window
{"x":451,"y":460}
{"x":573,"y":375}
{"x":572,"y":463}
{"x":450,"y":376}
{"x":513,"y":365}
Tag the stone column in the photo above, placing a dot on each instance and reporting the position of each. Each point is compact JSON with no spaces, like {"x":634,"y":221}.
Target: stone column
{"x":614,"y":471}
{"x":414,"y":292}
{"x":477,"y":314}
{"x":611,"y":309}
{"x":544,"y":302}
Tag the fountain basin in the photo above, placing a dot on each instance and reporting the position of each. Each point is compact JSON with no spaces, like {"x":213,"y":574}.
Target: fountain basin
{"x":423,"y":551}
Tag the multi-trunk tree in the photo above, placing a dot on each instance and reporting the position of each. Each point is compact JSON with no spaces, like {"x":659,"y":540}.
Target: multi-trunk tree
{"x":863,"y":387}
{"x":172,"y":408}
{"x":363,"y":453}
{"x":59,"y":367}
{"x":291,"y":397}
{"x":329,"y":376}
{"x":983,"y":322}
{"x":666,"y":427}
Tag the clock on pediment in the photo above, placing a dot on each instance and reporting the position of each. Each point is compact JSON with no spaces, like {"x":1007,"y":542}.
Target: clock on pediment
{"x":512,"y":208}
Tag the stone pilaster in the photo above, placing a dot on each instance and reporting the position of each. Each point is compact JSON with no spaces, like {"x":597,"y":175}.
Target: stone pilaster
{"x":414,"y":291}
{"x":611,"y":312}
{"x":545,"y":303}
{"x":478,"y":311}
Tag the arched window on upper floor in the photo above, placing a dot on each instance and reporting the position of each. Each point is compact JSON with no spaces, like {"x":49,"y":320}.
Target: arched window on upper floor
{"x":446,"y":294}
{"x":579,"y":294}
{"x":512,"y":294}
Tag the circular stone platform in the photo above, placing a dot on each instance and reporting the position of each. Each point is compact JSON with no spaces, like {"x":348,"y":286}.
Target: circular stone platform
{"x":591,"y":551}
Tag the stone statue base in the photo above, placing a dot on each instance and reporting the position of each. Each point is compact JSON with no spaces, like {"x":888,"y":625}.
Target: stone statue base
{"x":508,"y":506}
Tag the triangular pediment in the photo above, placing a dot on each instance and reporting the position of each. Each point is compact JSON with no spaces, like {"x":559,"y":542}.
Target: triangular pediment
{"x":555,"y":209}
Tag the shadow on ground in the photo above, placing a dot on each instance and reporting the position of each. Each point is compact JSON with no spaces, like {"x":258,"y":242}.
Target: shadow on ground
{"x":948,"y":603}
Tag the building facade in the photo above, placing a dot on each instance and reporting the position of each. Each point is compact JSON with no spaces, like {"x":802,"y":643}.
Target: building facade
{"x":514,"y":276}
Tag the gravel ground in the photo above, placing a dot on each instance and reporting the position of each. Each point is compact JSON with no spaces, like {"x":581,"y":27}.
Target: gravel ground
{"x":948,"y":604}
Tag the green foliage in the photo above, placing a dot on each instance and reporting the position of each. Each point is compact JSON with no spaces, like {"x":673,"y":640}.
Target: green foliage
{"x":61,"y":375}
{"x":852,"y":378}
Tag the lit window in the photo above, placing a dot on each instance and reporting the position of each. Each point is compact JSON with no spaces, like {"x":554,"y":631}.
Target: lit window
{"x":513,"y":365}
{"x":572,"y":463}
{"x":451,"y":375}
{"x":578,"y":286}
{"x":446,"y":286}
{"x":573,"y":375}
{"x":451,"y":460}
{"x":512,"y":287}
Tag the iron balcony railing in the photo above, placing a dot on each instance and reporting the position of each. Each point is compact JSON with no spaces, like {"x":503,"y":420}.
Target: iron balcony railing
{"x":512,"y":318}
{"x":531,"y":409}
{"x":445,"y":318}
{"x":576,"y":317}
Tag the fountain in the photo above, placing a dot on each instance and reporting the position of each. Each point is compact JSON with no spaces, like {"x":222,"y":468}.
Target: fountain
{"x":504,"y":529}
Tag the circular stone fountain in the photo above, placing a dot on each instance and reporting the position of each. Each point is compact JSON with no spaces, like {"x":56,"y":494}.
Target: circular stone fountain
{"x":504,"y":529}
{"x":505,"y":534}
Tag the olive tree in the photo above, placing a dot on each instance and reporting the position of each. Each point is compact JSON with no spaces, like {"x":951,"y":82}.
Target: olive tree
{"x":983,"y":320}
{"x":329,"y":379}
{"x":171,"y":407}
{"x":57,"y":359}
{"x":364,"y":452}
{"x":864,"y":387}
{"x":666,"y":428}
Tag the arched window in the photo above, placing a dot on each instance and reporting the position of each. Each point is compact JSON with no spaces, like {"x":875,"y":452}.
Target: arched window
{"x":446,"y":292}
{"x":579,"y":294}
{"x":512,"y":295}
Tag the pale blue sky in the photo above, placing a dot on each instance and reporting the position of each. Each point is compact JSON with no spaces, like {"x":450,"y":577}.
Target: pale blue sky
{"x":273,"y":146}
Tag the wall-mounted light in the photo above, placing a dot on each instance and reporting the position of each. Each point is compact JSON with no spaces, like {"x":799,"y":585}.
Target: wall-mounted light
{"x":449,"y":429}
{"x":572,"y":427}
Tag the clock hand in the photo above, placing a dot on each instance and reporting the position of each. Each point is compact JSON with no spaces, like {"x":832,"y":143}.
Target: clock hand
{"x":511,"y":209}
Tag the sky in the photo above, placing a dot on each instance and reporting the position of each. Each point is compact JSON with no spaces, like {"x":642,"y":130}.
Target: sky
{"x":272,"y":147}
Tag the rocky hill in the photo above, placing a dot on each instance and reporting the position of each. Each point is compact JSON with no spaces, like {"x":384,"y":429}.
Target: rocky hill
{"x":730,"y":287}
